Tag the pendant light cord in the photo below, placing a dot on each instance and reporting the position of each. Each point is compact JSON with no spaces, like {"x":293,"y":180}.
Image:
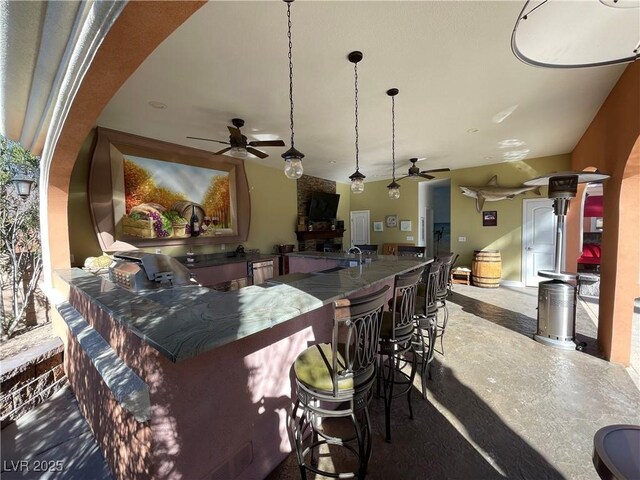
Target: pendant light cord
{"x":355,"y":70}
{"x":290,"y":70}
{"x":393,"y":135}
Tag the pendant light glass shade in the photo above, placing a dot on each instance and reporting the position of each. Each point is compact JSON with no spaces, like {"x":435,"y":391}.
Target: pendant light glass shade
{"x":292,"y":158}
{"x":357,"y":182}
{"x":357,"y":178}
{"x":394,"y":188}
{"x":293,"y":163}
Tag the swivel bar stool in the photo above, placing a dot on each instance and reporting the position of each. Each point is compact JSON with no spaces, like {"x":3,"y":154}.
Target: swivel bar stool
{"x":426,"y":317}
{"x":336,"y":380}
{"x":396,"y":338}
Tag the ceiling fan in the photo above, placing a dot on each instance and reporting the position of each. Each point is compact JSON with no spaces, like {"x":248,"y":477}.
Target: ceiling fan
{"x":415,"y":173}
{"x":238,"y":144}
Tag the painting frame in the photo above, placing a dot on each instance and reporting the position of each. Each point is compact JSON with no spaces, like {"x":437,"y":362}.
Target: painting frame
{"x":490,"y":218}
{"x":405,"y":225}
{"x":104,"y":206}
{"x":391,"y":221}
{"x":378,"y":226}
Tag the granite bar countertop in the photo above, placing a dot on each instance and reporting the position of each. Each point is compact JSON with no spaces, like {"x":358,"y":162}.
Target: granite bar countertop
{"x":183,"y":322}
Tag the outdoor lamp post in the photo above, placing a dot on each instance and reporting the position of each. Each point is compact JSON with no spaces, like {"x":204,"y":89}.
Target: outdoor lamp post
{"x":23,"y":185}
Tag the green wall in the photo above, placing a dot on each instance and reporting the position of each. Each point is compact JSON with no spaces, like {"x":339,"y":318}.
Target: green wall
{"x":507,"y":235}
{"x":273,"y":211}
{"x":465,"y":221}
{"x":375,"y":198}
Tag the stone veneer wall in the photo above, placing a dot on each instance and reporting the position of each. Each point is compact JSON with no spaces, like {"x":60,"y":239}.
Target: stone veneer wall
{"x":29,"y":378}
{"x":306,"y":186}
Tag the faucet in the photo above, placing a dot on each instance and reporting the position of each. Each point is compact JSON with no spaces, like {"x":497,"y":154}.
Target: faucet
{"x":357,"y":250}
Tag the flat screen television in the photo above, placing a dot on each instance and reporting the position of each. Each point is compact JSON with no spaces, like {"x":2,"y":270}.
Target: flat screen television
{"x":323,"y":206}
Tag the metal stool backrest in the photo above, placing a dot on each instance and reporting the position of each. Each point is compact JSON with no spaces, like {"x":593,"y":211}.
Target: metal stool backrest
{"x":411,"y":251}
{"x":368,"y":249}
{"x":445,"y":269}
{"x":362,"y":317}
{"x":405,"y":289}
{"x":433,"y":278}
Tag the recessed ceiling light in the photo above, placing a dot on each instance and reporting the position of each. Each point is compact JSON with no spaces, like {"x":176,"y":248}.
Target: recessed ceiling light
{"x":488,"y":157}
{"x":158,"y":105}
{"x":472,"y":130}
{"x":332,"y":161}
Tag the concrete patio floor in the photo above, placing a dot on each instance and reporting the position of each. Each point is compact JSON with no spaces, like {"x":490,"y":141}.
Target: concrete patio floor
{"x":499,"y":405}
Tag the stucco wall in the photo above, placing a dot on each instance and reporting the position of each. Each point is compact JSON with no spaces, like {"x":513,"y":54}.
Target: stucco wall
{"x":612,"y":145}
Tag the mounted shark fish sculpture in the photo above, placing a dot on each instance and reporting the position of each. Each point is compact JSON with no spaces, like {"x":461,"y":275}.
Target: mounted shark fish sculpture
{"x":492,"y":192}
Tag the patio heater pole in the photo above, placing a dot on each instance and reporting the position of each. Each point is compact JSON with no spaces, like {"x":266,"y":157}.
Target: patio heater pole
{"x":557,"y":297}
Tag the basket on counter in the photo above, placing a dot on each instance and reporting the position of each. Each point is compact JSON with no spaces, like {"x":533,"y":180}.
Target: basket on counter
{"x":285,"y":248}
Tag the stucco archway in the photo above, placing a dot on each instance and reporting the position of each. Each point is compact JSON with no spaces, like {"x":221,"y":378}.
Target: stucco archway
{"x":612,"y":144}
{"x":137,"y":31}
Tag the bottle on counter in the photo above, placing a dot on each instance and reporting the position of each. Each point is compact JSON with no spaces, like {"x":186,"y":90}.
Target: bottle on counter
{"x":194,"y":223}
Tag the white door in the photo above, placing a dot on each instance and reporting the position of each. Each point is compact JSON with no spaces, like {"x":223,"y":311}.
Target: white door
{"x":359,"y":227}
{"x":538,"y":239}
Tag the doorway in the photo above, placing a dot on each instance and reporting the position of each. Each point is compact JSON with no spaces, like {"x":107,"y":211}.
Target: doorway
{"x":538,"y":239}
{"x":359,"y":227}
{"x":434,"y":205}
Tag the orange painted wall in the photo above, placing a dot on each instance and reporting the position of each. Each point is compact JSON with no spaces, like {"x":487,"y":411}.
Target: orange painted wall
{"x":612,"y":144}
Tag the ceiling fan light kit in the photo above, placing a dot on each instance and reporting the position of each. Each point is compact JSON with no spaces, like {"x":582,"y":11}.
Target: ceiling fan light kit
{"x":394,"y":187}
{"x":357,"y":178}
{"x":238,"y":144}
{"x":292,"y":158}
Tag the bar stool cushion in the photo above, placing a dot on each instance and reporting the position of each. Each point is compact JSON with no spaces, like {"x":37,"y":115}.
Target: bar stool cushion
{"x":386,"y":331}
{"x":313,"y":368}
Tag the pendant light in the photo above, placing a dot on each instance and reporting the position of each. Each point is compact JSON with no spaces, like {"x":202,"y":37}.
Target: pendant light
{"x":394,"y":187}
{"x":292,"y":157}
{"x":357,"y":179}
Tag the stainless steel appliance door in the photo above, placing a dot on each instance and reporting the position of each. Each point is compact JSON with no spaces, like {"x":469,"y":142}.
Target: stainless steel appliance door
{"x":262,"y":271}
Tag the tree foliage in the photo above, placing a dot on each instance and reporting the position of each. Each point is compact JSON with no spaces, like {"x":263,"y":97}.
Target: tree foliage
{"x":20,"y":246}
{"x":140,"y":188}
{"x":217,"y":201}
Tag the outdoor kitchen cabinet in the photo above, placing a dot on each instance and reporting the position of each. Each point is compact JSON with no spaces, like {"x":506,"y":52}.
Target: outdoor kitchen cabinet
{"x":211,"y":276}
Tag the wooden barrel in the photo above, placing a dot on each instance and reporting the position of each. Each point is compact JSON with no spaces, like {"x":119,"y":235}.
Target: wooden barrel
{"x":486,"y":268}
{"x":184,"y":209}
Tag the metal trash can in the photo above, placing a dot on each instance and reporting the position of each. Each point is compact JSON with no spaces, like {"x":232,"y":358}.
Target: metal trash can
{"x":556,"y":314}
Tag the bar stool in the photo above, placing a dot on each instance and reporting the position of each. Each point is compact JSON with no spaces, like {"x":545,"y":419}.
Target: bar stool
{"x":396,"y":340}
{"x":336,"y":380}
{"x":443,"y":293}
{"x":426,"y":318}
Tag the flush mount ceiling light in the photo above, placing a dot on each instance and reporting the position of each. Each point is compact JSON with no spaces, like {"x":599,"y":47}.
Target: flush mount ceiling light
{"x":357,"y":179}
{"x":158,"y":105}
{"x":394,"y":187}
{"x":561,"y":34}
{"x":292,"y":157}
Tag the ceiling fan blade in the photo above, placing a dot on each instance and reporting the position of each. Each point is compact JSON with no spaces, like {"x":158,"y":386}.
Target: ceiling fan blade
{"x":257,"y":153}
{"x":398,"y":179}
{"x":267,"y":143}
{"x":235,"y":134}
{"x":223,"y":151}
{"x":436,"y":170}
{"x":424,"y":175}
{"x":208,"y":140}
